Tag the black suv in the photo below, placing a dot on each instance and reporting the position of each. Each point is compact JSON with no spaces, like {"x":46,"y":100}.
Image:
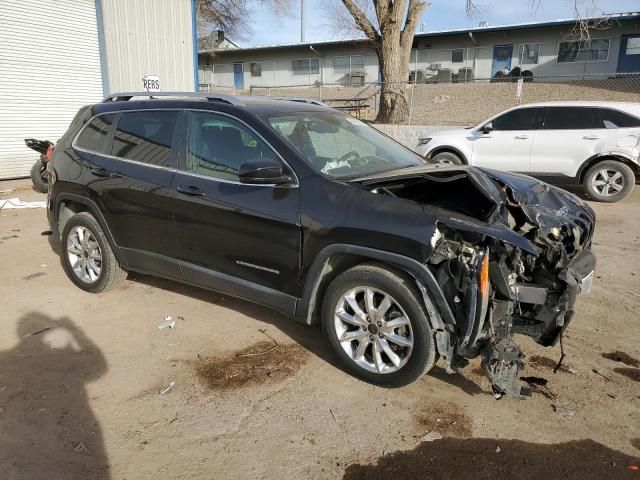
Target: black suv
{"x":296,"y":206}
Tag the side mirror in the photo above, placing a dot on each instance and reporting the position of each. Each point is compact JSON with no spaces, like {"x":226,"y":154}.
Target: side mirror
{"x":488,"y":128}
{"x":264,"y":171}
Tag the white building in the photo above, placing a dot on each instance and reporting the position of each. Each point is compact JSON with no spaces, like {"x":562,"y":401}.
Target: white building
{"x":546,"y":49}
{"x":58,"y":55}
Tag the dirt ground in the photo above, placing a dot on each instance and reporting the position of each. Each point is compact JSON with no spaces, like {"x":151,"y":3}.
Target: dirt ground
{"x":256,"y":395}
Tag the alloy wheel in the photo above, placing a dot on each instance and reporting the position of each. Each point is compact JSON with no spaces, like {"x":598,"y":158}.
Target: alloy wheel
{"x":608,"y":182}
{"x":84,"y":254}
{"x":373,"y":330}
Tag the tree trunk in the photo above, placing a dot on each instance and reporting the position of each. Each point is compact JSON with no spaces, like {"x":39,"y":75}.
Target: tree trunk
{"x":394,"y":68}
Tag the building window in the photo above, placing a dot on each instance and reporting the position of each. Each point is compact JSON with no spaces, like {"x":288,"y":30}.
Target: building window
{"x":457,"y":56}
{"x":596,"y":50}
{"x":256,"y":69}
{"x":341,"y":64}
{"x":357,"y":63}
{"x":306,"y":66}
{"x":346,"y":65}
{"x":633,"y":46}
{"x":530,"y":53}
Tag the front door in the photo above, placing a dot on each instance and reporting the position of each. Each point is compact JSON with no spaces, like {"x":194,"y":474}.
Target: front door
{"x":502,"y":55}
{"x":629,"y":58}
{"x":234,"y":237}
{"x":238,"y":76}
{"x":508,"y":145}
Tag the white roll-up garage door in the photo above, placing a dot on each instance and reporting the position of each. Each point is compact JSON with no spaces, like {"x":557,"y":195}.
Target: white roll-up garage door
{"x":49,"y":68}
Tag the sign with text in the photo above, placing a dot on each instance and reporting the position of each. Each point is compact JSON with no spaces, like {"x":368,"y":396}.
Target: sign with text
{"x":151,"y":83}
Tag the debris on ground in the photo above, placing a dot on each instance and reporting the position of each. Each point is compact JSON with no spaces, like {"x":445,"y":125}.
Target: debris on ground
{"x":17,"y":203}
{"x":431,"y":436}
{"x":168,"y":323}
{"x":46,"y":232}
{"x":539,"y":362}
{"x":38,"y":332}
{"x":564,"y":409}
{"x":597,"y":372}
{"x":498,"y":449}
{"x":34,"y":275}
{"x":80,"y":447}
{"x":622,"y":357}
{"x":167,"y":389}
{"x":539,"y":385}
{"x":445,"y":417}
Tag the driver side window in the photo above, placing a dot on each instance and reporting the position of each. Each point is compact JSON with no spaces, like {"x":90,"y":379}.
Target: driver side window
{"x":218,"y":145}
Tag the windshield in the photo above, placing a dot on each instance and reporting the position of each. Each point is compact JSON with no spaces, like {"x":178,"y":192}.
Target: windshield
{"x":342,"y":146}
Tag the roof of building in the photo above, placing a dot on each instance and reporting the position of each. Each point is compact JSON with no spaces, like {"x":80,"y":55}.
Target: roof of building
{"x":615,"y":17}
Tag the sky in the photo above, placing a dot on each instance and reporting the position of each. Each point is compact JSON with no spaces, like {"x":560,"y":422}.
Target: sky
{"x":440,"y":15}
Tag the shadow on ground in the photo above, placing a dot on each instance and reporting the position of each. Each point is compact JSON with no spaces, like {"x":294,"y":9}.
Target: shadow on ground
{"x":47,"y":428}
{"x":480,"y":459}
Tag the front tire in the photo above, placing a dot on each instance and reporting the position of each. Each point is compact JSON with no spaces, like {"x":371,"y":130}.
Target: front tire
{"x":87,"y":257}
{"x":375,"y":323}
{"x":609,"y":181}
{"x":448,"y":158}
{"x":39,"y":176}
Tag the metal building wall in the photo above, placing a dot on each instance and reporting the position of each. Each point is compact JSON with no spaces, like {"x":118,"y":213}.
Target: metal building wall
{"x":49,"y":68}
{"x":148,"y":37}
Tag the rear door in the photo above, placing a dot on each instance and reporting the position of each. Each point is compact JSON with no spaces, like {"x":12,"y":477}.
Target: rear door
{"x":237,"y":238}
{"x":508,"y":145}
{"x":131,"y":183}
{"x":568,"y":136}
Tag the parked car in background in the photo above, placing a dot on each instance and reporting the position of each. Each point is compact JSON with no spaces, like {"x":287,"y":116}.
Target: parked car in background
{"x":313,"y":213}
{"x":593,"y":144}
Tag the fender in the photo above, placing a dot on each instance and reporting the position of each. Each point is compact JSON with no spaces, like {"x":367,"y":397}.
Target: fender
{"x":95,"y":211}
{"x":440,"y":315}
{"x":615,"y":155}
{"x":441,"y":148}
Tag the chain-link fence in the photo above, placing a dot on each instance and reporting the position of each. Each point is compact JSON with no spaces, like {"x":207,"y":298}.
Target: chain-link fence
{"x":461,"y":102}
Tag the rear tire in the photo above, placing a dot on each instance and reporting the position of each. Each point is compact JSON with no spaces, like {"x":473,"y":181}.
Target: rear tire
{"x":87,"y":257}
{"x":390,"y":349}
{"x":39,"y":183}
{"x":609,"y":181}
{"x":448,"y":158}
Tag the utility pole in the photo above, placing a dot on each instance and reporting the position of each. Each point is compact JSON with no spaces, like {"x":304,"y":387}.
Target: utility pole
{"x":301,"y":21}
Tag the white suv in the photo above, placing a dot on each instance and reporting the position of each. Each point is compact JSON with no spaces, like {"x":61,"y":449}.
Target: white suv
{"x":596,"y":144}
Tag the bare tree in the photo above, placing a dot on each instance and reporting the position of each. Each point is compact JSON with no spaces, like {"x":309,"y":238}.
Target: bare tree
{"x":232,"y":16}
{"x":390,"y":26}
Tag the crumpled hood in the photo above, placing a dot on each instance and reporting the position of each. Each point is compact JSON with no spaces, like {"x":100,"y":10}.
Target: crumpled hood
{"x":529,"y":200}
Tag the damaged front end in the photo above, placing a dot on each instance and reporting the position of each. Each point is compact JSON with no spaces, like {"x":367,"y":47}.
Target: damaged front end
{"x":511,"y":255}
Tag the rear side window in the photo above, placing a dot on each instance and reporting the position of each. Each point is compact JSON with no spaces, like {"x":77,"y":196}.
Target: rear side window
{"x":94,"y":136}
{"x":608,"y":118}
{"x":145,"y":137}
{"x":520,"y":119}
{"x":569,"y":118}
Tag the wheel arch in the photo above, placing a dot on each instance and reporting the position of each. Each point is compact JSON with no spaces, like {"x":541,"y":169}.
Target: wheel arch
{"x":449,"y":149}
{"x":335,"y":259}
{"x":68,"y":204}
{"x":582,"y":171}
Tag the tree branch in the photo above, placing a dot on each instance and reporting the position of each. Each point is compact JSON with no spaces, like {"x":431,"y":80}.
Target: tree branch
{"x":414,"y":14}
{"x":362,"y":21}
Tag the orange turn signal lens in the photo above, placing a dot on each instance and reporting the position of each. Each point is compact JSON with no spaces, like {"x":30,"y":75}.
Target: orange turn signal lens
{"x":484,"y":275}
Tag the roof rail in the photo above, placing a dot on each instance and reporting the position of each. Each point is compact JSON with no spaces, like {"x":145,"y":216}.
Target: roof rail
{"x":311,"y":101}
{"x":213,"y":97}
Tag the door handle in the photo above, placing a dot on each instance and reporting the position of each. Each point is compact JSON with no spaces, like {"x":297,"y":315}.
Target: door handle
{"x":191,"y":190}
{"x":522,"y":137}
{"x":591,"y":137}
{"x":103,"y":172}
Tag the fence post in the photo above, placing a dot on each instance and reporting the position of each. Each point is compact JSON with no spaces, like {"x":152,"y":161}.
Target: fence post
{"x":413,"y":88}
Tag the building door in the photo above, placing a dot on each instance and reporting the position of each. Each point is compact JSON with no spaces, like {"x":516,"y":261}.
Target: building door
{"x":238,"y":75}
{"x":502,"y":55}
{"x":629,"y":58}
